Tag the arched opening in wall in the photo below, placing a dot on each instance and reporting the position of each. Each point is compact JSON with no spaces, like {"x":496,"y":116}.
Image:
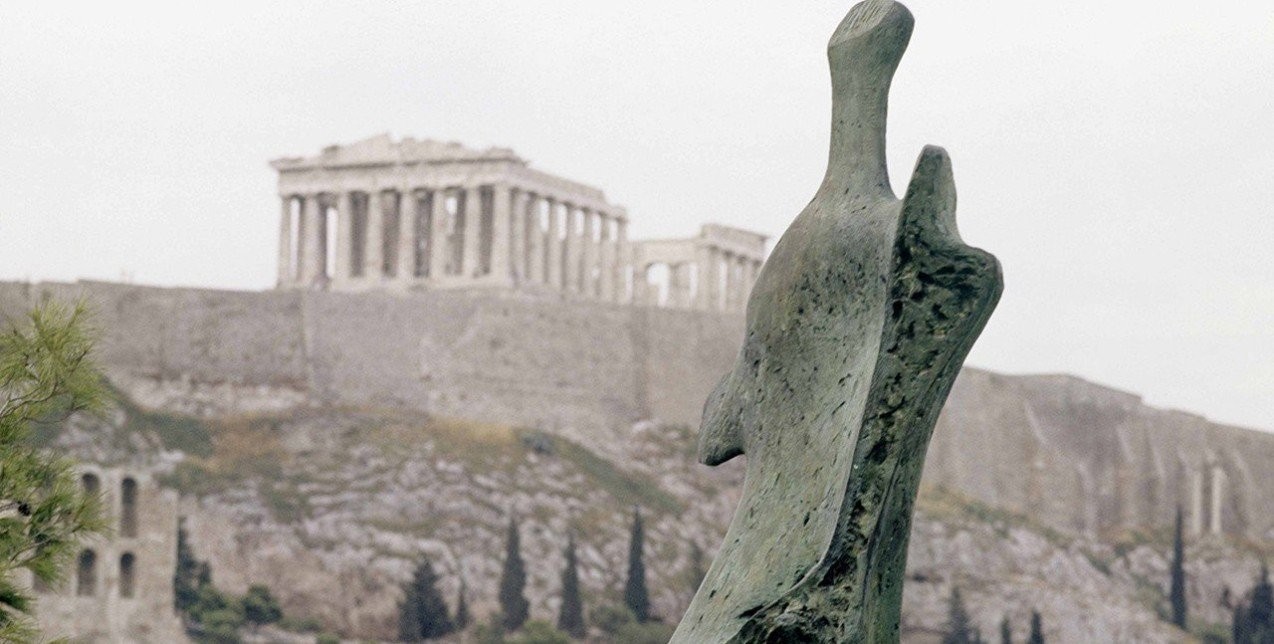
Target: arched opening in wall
{"x":128,"y":508}
{"x":91,"y":485}
{"x":127,"y":576}
{"x":395,"y":209}
{"x":657,"y":281}
{"x":423,"y":227}
{"x":328,"y":219}
{"x":455,"y":231}
{"x":486,"y":228}
{"x":86,"y":574}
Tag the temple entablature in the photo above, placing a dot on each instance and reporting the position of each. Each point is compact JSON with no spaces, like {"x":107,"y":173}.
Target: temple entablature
{"x":402,"y":215}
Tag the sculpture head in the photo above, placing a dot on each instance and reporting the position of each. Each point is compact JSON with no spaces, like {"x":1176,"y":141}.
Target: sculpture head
{"x":863,"y":54}
{"x":874,"y":33}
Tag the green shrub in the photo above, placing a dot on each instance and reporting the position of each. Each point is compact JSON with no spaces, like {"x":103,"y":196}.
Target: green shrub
{"x":538,"y":632}
{"x":490,"y":632}
{"x":221,"y":626}
{"x":300,"y":625}
{"x":610,"y":619}
{"x":648,"y":633}
{"x":260,"y":607}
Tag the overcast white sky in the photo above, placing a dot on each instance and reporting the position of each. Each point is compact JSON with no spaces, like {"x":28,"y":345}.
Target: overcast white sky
{"x":1117,"y":157}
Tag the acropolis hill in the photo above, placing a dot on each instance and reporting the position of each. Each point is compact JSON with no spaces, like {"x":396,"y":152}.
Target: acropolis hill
{"x":461,"y":284}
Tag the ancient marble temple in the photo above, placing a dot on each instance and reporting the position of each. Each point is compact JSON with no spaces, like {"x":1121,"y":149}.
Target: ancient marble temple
{"x":409,"y":214}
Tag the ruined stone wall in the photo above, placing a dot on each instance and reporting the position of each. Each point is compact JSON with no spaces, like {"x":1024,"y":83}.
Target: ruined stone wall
{"x":1075,"y":455}
{"x":120,"y":588}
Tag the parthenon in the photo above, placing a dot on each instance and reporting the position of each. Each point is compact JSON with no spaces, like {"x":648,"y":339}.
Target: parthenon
{"x":409,"y":214}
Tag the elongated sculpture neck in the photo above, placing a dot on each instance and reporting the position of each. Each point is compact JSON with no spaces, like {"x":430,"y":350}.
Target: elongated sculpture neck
{"x":857,"y":327}
{"x":863,"y":54}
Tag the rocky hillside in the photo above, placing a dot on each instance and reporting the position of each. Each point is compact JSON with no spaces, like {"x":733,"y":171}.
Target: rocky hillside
{"x":332,"y":507}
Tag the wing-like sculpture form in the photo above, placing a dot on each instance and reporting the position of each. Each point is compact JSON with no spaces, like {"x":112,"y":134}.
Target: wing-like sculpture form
{"x":856,"y":329}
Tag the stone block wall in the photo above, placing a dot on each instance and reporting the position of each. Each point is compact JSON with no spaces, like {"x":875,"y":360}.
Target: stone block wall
{"x":120,"y":588}
{"x":1075,"y":455}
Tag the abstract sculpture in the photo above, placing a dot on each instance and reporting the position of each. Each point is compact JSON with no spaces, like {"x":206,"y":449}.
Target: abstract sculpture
{"x":856,"y":330}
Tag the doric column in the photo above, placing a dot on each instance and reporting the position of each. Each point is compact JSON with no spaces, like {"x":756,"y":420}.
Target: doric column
{"x":679,"y":285}
{"x":727,"y":281}
{"x":715,"y":295}
{"x":535,"y":241}
{"x":570,"y":249}
{"x":311,"y":240}
{"x":344,"y":236}
{"x":588,"y":255}
{"x":553,"y":256}
{"x":740,"y":286}
{"x":501,"y":233}
{"x":286,"y":266}
{"x":407,"y":208}
{"x":438,"y":248}
{"x":703,"y":276}
{"x":623,"y":261}
{"x":605,"y":258}
{"x":472,"y":231}
{"x":517,"y":236}
{"x":374,"y":251}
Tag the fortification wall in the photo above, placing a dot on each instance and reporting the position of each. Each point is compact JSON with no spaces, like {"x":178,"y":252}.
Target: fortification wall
{"x":1084,"y":457}
{"x":564,"y":366}
{"x":1072,"y":454}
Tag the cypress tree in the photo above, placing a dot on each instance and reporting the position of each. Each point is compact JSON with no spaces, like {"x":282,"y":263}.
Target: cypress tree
{"x":1254,"y":623}
{"x":1006,"y":633}
{"x":462,"y":607}
{"x":1177,"y":594}
{"x":635,"y":596}
{"x":959,"y":630}
{"x":1238,"y":628}
{"x":189,"y":572}
{"x":423,"y":613}
{"x":514,"y":607}
{"x":1037,"y":629}
{"x":570,"y":619}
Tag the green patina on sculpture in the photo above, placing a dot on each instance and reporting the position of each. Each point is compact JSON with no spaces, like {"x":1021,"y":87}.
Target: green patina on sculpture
{"x":856,"y":330}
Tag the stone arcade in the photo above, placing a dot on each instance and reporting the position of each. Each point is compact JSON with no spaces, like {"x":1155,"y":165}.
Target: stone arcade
{"x":380,"y":214}
{"x":121,"y":586}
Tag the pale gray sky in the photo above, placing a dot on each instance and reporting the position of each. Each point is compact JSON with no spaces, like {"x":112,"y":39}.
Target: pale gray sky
{"x":1117,"y":157}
